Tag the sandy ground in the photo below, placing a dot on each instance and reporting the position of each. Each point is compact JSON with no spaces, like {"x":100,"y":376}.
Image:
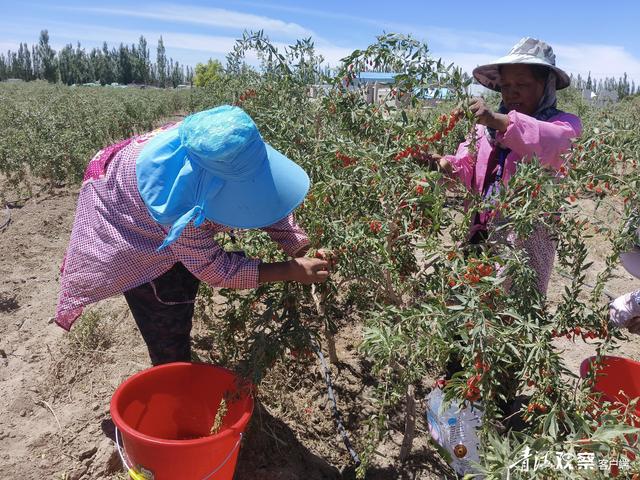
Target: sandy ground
{"x":54,"y":395}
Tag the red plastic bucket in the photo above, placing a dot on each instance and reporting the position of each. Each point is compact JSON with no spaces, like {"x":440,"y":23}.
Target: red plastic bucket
{"x":614,"y":375}
{"x":617,"y":380}
{"x":165,"y":415}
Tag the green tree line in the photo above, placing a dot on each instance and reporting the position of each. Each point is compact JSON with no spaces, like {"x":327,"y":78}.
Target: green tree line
{"x":622,"y":86}
{"x":73,"y":65}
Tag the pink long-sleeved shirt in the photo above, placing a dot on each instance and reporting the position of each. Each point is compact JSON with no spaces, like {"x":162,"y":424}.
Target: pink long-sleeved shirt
{"x":526,"y":137}
{"x":114,"y":240}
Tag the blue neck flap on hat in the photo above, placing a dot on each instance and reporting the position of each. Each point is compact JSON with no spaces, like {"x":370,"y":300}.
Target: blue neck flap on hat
{"x":173,"y":189}
{"x":181,"y":170}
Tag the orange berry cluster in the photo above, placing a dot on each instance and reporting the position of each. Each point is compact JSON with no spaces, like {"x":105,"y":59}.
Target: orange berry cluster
{"x":345,"y":159}
{"x":577,"y":331}
{"x":593,"y":186}
{"x":479,"y":365}
{"x":536,"y":190}
{"x":476,"y":271}
{"x":537,"y":407}
{"x":473,"y":390}
{"x":247,"y":94}
{"x":375,"y":226}
{"x":421,"y":150}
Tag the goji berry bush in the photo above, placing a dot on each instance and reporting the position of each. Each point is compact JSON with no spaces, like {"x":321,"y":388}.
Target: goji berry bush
{"x":396,"y":229}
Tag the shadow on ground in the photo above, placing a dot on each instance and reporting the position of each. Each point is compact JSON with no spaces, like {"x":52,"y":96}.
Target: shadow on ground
{"x":272,"y":451}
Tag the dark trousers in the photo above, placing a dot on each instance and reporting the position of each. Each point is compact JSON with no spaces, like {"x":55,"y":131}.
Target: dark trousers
{"x":163,"y":310}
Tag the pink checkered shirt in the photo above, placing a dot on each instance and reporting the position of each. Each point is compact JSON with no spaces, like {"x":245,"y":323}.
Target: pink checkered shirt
{"x":114,"y":239}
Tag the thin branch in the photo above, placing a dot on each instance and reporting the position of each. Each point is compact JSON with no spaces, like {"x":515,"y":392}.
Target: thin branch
{"x":45,"y":404}
{"x":8,"y":219}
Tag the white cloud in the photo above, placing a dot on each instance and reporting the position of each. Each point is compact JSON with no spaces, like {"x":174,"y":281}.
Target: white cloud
{"x":202,"y":43}
{"x":332,"y":53}
{"x":449,"y":39}
{"x":314,"y":12}
{"x":469,"y":48}
{"x":601,"y":60}
{"x":465,"y":48}
{"x":214,"y":17}
{"x":442,"y":37}
{"x":439,"y":38}
{"x":466,"y":61}
{"x":200,"y":47}
{"x":95,"y":35}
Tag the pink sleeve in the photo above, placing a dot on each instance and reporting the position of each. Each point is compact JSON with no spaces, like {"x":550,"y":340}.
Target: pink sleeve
{"x":208,"y":261}
{"x":547,"y":140}
{"x":463,"y":164}
{"x":288,"y":234}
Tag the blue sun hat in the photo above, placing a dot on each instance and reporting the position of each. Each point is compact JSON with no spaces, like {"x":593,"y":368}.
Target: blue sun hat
{"x":215,"y":166}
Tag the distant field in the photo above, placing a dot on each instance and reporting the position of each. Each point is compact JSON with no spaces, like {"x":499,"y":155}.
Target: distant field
{"x":51,"y":131}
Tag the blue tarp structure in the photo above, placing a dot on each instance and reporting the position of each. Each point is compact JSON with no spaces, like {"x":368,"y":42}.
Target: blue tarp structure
{"x":380,"y":77}
{"x":389,"y":78}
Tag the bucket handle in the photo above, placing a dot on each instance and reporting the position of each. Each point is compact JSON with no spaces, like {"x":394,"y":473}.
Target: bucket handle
{"x":135,"y":475}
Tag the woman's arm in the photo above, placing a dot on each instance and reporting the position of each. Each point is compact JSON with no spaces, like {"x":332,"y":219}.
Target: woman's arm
{"x":208,"y":261}
{"x":289,"y":235}
{"x":624,"y":311}
{"x":528,"y":136}
{"x":302,"y":270}
{"x":547,"y":140}
{"x":461,"y":165}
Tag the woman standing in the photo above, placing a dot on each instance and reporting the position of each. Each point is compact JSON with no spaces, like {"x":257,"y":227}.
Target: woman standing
{"x":526,"y":125}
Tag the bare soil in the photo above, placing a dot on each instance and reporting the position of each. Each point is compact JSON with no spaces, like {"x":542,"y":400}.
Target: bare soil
{"x":55,"y":392}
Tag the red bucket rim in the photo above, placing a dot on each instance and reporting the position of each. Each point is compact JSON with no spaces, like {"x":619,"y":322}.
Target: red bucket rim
{"x":586,"y":363}
{"x":232,"y":430}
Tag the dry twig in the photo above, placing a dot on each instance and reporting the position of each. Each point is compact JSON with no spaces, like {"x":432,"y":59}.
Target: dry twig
{"x":45,"y":404}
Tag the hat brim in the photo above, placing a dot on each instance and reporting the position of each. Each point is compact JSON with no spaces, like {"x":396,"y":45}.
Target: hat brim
{"x":631,"y":261}
{"x":277,"y":189}
{"x":169,"y":182}
{"x":489,"y":75}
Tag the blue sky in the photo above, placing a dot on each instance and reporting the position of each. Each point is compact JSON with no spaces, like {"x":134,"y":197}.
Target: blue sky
{"x":599,"y":37}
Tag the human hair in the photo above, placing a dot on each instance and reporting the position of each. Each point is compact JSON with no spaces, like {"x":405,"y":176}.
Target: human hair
{"x":540,"y":72}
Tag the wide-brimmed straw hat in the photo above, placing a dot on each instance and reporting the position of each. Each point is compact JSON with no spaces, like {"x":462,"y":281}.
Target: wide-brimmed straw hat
{"x":216,"y":166}
{"x":528,"y":51}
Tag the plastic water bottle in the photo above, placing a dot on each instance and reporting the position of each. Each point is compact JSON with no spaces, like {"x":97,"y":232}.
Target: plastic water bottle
{"x":455,"y":431}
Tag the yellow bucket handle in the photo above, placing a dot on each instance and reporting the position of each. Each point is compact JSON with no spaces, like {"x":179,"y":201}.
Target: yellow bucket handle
{"x":135,"y":475}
